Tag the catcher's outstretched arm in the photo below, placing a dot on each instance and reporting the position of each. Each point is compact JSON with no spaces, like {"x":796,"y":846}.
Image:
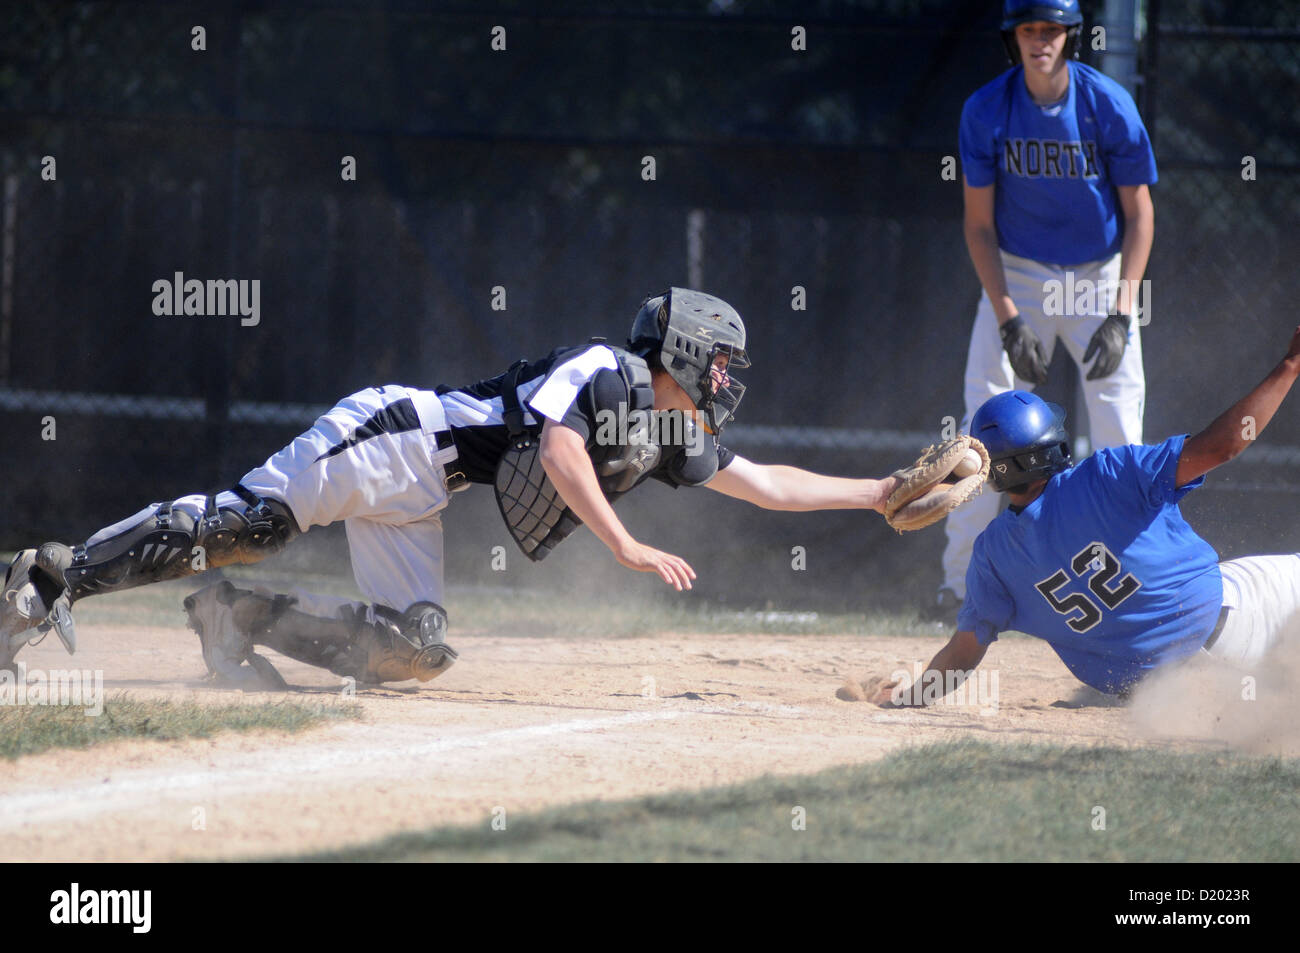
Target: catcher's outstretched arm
{"x":778,"y":487}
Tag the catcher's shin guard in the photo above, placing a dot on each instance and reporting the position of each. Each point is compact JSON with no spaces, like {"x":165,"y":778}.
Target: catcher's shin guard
{"x":166,"y":541}
{"x":371,"y":643}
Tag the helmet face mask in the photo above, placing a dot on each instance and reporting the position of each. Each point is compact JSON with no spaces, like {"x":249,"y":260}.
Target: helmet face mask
{"x":722,"y":392}
{"x":689,"y":332}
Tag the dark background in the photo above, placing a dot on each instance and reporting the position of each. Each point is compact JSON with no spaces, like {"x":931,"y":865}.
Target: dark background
{"x":522,"y":169}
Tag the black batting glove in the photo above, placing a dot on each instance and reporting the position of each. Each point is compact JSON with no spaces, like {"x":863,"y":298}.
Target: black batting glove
{"x":1028,"y":359}
{"x":1108,"y":343}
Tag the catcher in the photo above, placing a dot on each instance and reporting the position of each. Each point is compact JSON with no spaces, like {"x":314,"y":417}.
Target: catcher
{"x":559,"y":439}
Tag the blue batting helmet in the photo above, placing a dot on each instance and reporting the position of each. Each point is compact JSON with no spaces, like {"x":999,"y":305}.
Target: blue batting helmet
{"x":1025,"y":437}
{"x":1064,"y":12}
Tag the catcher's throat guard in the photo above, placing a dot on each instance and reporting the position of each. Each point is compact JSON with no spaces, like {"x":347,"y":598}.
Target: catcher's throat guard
{"x":534,"y":512}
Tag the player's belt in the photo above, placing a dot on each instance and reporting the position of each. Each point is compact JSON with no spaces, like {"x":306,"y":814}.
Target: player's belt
{"x":442,"y":446}
{"x":1218,"y":627}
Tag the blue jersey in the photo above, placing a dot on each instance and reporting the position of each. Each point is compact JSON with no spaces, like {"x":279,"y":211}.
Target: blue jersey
{"x":1102,"y":566}
{"x":1056,"y":167}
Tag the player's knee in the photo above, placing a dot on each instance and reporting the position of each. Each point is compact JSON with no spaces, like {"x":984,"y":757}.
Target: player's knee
{"x":244,"y":534}
{"x":410,"y":644}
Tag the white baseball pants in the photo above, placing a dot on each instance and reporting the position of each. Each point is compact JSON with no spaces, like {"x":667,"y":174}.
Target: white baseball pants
{"x":1115,"y":403}
{"x":376,"y":467}
{"x":1262,"y":594}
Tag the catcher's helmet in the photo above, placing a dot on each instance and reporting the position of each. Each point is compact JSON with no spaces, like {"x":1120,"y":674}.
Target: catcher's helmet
{"x":1064,"y":12}
{"x":685,"y":332}
{"x":1025,"y":437}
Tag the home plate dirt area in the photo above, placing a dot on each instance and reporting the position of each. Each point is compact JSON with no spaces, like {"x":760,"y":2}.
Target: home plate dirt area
{"x":517,"y":725}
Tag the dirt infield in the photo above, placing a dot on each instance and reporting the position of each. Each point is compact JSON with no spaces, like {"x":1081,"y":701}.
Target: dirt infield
{"x":518,"y":724}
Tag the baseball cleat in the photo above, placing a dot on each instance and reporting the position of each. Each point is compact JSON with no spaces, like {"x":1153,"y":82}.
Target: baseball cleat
{"x":225,"y":648}
{"x":35,"y":597}
{"x":53,"y":559}
{"x":21,"y":609}
{"x":21,"y":606}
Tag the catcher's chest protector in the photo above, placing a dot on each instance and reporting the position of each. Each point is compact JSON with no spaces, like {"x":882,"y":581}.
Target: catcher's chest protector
{"x":536,"y":516}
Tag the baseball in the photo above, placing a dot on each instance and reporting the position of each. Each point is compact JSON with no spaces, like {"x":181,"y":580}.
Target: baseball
{"x":968,"y":466}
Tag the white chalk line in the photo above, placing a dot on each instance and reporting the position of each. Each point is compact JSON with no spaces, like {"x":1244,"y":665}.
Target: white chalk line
{"x":260,"y":771}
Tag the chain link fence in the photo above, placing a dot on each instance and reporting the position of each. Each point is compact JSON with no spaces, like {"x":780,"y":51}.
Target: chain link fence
{"x":521,"y":177}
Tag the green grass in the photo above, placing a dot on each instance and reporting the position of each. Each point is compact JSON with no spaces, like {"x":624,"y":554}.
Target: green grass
{"x":28,"y":729}
{"x":965,"y":801}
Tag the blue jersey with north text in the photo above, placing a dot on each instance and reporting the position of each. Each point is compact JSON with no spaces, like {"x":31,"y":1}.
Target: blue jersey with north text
{"x":1102,"y":566}
{"x":1056,"y":168}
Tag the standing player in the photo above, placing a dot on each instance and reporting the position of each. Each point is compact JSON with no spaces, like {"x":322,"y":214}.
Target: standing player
{"x":1059,"y":224}
{"x":560,"y":438}
{"x":1097,"y":560}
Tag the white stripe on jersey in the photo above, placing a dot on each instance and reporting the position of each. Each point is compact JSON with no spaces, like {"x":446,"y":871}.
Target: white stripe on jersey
{"x":466,"y":410}
{"x":556,"y":390}
{"x":556,"y":395}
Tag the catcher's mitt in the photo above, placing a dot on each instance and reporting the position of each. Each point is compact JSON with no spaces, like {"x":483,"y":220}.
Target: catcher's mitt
{"x":942,"y":479}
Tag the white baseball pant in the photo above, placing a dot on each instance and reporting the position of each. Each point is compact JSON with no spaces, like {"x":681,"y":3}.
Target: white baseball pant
{"x":1115,"y":403}
{"x":388,"y":489}
{"x":1262,"y":596}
